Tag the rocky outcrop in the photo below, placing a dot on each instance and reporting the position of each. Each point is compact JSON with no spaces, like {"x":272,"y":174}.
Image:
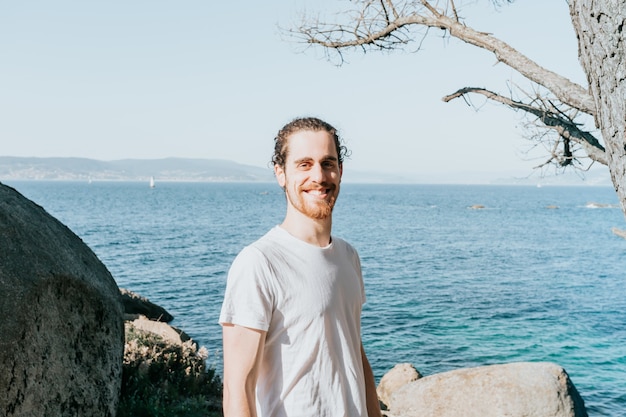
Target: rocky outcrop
{"x":62,"y":339}
{"x":514,"y":390}
{"x":399,"y":376}
{"x":169,"y":334}
{"x":136,"y":306}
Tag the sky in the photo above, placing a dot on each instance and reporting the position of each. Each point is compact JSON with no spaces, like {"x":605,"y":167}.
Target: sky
{"x":151,"y":79}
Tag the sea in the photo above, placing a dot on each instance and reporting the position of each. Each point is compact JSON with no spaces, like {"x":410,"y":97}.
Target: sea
{"x":456,"y":275}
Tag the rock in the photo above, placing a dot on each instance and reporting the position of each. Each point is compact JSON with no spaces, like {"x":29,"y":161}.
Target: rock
{"x":169,"y":334}
{"x":400,"y":375}
{"x":136,"y":305}
{"x":619,"y":232}
{"x":514,"y":390}
{"x":594,"y":205}
{"x":62,"y":340}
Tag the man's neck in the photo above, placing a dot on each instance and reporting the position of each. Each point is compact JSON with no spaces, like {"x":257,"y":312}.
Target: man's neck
{"x":313,"y":231}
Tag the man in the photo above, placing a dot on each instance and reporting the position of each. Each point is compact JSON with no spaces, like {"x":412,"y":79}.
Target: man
{"x":291,"y":316}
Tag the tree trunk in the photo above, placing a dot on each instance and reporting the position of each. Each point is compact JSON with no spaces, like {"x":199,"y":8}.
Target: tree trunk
{"x":599,"y":26}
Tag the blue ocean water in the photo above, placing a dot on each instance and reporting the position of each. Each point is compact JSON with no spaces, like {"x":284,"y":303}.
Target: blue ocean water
{"x":447,"y":286}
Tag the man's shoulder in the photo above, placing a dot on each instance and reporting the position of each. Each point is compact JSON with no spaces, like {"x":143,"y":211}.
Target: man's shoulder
{"x":256,"y":254}
{"x":272,"y":237}
{"x":342,"y":243}
{"x":267,"y":244}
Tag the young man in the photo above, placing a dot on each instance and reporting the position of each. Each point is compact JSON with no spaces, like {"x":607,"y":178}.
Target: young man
{"x":291,"y":316}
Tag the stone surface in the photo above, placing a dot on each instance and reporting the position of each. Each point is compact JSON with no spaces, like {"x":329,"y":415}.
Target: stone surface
{"x":170,"y":334}
{"x":62,"y":338}
{"x":136,"y":305}
{"x":400,"y":375}
{"x":521,"y":389}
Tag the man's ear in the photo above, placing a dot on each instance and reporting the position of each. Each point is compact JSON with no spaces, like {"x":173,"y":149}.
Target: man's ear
{"x":280,"y":175}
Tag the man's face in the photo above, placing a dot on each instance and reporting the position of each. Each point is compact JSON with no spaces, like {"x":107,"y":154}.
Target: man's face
{"x":312,"y":174}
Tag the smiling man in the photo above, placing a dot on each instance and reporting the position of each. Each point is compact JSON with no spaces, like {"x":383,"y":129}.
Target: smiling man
{"x":291,"y":316}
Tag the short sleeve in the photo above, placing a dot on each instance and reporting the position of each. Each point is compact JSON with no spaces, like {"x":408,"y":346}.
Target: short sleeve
{"x":248,"y":299}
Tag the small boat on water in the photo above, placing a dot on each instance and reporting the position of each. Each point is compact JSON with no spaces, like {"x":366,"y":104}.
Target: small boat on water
{"x":151,"y":182}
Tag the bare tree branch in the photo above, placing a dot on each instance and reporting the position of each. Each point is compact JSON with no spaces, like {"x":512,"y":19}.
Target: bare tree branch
{"x":393,"y":24}
{"x":559,"y":122}
{"x":373,"y":30}
{"x":454,"y":13}
{"x":391,"y":6}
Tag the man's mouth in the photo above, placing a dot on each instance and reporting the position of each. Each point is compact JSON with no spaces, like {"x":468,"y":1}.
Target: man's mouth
{"x":318,"y":192}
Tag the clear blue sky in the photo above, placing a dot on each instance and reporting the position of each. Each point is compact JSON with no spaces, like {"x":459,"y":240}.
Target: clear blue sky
{"x":204,"y":79}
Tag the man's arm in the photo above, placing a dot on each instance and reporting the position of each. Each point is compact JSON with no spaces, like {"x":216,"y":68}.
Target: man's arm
{"x":373,"y":405}
{"x":243,"y":350}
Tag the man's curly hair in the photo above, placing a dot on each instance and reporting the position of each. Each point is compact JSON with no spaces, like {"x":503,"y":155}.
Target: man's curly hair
{"x":305,"y":124}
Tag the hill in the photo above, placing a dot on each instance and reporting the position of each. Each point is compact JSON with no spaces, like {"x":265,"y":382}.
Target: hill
{"x":219,"y":170}
{"x":167,"y":169}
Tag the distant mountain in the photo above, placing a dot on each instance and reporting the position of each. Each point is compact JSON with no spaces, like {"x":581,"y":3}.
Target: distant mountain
{"x":185,"y":169}
{"x":168,"y":169}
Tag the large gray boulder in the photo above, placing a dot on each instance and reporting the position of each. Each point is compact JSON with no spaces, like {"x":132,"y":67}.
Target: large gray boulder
{"x":62,"y":330}
{"x":522,"y":389}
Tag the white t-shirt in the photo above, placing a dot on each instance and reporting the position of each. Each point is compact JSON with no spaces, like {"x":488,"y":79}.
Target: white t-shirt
{"x":309,"y":301}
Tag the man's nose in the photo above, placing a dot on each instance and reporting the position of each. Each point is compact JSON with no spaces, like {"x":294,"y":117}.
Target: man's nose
{"x":317,"y":173}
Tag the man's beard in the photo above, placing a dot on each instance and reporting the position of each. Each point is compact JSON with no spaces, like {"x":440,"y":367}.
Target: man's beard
{"x":319,"y":209}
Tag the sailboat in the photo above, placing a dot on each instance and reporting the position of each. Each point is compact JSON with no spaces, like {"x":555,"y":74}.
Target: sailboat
{"x":151,"y":182}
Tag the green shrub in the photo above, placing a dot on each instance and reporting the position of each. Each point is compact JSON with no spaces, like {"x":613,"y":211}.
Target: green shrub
{"x":165,"y":379}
